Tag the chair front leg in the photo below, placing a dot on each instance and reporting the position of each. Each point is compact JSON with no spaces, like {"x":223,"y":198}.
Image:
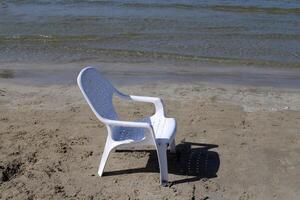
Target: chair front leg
{"x":103,"y":160}
{"x":163,"y":162}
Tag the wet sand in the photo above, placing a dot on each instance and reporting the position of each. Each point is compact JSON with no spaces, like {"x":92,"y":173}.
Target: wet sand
{"x":233,"y":142}
{"x":130,"y":73}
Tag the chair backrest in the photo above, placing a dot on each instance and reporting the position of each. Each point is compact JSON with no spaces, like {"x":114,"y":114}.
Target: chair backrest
{"x":98,"y":92}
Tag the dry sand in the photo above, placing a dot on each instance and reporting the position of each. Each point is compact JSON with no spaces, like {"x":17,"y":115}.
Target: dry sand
{"x":233,"y":142}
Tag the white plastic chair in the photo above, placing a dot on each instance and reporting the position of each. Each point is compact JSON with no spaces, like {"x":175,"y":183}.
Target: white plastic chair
{"x":156,"y":130}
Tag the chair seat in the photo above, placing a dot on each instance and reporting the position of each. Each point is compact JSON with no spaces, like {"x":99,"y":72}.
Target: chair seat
{"x":164,"y":128}
{"x":127,"y":133}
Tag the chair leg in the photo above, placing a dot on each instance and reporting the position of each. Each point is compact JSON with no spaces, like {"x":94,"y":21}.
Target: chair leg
{"x":163,"y":163}
{"x":104,"y":158}
{"x":173,"y":146}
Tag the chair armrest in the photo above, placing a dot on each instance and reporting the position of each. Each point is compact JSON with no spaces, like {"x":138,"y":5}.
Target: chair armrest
{"x":128,"y":124}
{"x":159,"y":107}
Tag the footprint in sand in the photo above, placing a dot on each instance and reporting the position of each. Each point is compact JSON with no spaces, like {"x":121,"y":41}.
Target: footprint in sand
{"x":10,"y":171}
{"x":2,"y":92}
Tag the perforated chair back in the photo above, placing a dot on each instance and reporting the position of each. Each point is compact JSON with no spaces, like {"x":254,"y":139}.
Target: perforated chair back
{"x":98,"y":92}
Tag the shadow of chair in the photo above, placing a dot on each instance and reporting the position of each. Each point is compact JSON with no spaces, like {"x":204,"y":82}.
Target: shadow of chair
{"x":192,"y":160}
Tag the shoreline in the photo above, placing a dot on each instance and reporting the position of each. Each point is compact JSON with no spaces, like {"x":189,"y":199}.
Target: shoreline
{"x":148,"y":73}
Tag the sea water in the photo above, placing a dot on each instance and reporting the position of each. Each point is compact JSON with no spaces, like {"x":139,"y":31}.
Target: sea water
{"x":243,"y":32}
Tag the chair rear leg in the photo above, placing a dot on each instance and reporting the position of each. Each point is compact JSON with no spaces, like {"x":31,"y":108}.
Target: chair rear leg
{"x":173,"y":146}
{"x":163,"y":163}
{"x":104,"y":158}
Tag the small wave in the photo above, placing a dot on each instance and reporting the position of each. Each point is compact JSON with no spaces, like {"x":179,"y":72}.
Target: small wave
{"x":66,"y":38}
{"x":45,"y":36}
{"x":157,"y":36}
{"x":189,"y":58}
{"x":256,"y":9}
{"x":183,"y":6}
{"x":162,"y":5}
{"x":48,"y":38}
{"x":228,"y":8}
{"x":64,"y":2}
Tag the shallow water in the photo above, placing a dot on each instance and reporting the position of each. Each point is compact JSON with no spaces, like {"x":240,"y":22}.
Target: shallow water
{"x":265,"y":33}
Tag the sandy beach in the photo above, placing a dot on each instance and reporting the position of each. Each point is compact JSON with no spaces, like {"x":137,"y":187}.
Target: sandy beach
{"x":228,"y":71}
{"x":233,"y":142}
